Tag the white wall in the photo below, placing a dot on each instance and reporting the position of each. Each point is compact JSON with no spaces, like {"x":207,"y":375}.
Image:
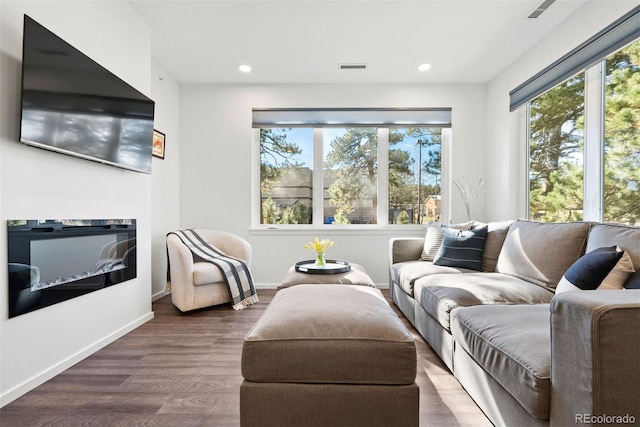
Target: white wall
{"x":165,"y":196}
{"x":506,"y":131}
{"x":215,"y":171}
{"x":38,"y":184}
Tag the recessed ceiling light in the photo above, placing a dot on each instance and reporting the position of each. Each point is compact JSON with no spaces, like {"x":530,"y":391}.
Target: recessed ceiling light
{"x":244,"y":68}
{"x":424,"y":67}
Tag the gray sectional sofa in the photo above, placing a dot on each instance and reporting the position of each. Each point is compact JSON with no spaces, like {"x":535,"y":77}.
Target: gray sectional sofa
{"x":526,"y":355}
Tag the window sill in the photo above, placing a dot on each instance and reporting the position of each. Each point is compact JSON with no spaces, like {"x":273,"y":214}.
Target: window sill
{"x":390,"y":230}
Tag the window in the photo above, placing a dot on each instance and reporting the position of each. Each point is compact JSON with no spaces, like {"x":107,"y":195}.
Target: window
{"x":584,"y":130}
{"x":385,"y":174}
{"x":622,"y":136}
{"x":558,"y":172}
{"x":286,"y":181}
{"x":350,"y":175}
{"x":556,"y":148}
{"x":415,"y":175}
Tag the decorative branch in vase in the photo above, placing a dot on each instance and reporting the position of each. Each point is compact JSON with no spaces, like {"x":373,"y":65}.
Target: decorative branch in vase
{"x":471,"y":194}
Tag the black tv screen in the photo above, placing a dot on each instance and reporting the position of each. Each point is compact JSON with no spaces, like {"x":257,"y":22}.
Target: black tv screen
{"x":73,"y":105}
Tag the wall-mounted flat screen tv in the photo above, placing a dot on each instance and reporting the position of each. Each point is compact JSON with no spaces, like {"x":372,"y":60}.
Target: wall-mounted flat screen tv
{"x":73,"y":105}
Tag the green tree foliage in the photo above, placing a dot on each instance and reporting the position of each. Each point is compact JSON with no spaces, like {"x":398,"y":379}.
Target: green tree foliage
{"x":352,"y":160}
{"x":276,"y":157}
{"x":431,"y":143}
{"x":622,"y":136}
{"x":298,"y":213}
{"x":352,"y":157}
{"x":403,"y":218}
{"x":556,"y":145}
{"x":555,"y":151}
{"x":347,"y":189}
{"x":270,"y":212}
{"x":403,"y":180}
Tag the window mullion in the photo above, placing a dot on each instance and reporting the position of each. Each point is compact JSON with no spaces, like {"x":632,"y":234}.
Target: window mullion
{"x":383,"y":176}
{"x":594,"y":143}
{"x":446,"y":182}
{"x":255,"y":177}
{"x":318,"y":176}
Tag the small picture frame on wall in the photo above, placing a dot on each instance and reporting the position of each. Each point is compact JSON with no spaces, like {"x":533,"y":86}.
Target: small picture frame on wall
{"x":158,"y":144}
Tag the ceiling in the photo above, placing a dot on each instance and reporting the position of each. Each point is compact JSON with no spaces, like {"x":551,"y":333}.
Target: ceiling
{"x":304,"y":41}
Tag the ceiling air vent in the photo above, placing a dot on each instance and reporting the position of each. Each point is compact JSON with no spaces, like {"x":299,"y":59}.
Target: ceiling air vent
{"x":353,"y":66}
{"x":538,"y":11}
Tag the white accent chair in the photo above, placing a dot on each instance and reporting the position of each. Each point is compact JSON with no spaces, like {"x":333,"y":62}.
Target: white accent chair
{"x":200,"y":284}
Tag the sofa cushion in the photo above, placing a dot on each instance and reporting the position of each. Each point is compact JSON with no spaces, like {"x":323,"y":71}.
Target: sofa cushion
{"x":624,"y":236}
{"x":541,"y":252}
{"x":433,"y":237}
{"x":588,"y":272}
{"x":329,"y":334}
{"x":462,"y":248}
{"x":634,"y":281}
{"x":620,"y":273}
{"x":497,"y":232}
{"x":404,"y":274}
{"x":513,"y":345}
{"x":440,"y":293}
{"x":432,"y":241}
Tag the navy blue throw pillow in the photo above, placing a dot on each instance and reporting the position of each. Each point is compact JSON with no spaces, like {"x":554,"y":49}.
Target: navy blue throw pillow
{"x":634,"y":281}
{"x":588,"y":272}
{"x":462,"y":248}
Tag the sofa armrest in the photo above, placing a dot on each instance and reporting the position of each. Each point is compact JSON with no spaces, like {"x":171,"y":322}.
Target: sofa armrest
{"x":405,"y":249}
{"x":595,"y":368}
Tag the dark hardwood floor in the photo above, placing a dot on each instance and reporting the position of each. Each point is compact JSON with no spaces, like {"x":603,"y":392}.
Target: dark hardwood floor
{"x":184,"y":370}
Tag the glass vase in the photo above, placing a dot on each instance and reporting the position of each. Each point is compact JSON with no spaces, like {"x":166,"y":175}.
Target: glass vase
{"x":320,"y":261}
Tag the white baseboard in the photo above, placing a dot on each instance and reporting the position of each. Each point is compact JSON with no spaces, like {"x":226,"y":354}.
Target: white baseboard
{"x":266,"y":285}
{"x":54,"y":370}
{"x":159,"y":295}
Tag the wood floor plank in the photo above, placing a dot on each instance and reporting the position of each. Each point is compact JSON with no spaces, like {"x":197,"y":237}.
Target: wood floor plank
{"x":184,"y":370}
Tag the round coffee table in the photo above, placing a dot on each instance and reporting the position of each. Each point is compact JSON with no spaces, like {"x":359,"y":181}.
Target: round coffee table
{"x":332,"y":266}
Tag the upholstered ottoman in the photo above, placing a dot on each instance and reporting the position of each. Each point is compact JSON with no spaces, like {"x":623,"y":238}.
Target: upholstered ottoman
{"x":329,"y":355}
{"x":356,"y":276}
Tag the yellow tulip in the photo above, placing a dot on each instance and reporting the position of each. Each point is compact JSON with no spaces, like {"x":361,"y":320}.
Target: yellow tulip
{"x":319,"y":245}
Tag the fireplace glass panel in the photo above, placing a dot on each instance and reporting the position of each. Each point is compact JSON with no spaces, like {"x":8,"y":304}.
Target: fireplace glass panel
{"x":55,"y":260}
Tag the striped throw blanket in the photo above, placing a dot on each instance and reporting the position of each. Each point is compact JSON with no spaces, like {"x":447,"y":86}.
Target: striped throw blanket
{"x":236,"y":273}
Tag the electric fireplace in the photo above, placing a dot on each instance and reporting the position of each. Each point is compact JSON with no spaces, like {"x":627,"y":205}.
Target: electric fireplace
{"x":52,"y":261}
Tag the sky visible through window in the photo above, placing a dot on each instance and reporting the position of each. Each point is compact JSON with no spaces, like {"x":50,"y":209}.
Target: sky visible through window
{"x":303,"y":138}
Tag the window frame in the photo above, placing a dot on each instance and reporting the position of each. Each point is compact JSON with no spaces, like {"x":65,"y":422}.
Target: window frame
{"x":383,"y":227}
{"x":594,"y":143}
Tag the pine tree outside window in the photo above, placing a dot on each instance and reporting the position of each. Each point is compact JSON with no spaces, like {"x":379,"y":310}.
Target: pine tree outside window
{"x":583,"y":122}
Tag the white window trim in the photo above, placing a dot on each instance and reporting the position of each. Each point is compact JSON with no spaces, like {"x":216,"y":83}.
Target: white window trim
{"x":383,"y":176}
{"x":383,"y":191}
{"x":318,"y":185}
{"x":446,"y":181}
{"x":594,"y":106}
